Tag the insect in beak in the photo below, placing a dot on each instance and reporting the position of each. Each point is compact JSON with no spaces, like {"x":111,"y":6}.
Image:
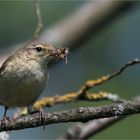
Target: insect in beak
{"x":61,"y":53}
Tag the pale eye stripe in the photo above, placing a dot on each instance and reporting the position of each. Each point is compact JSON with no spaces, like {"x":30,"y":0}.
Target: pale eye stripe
{"x":39,"y":46}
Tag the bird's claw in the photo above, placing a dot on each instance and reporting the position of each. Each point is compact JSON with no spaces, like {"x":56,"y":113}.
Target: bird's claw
{"x":4,"y":122}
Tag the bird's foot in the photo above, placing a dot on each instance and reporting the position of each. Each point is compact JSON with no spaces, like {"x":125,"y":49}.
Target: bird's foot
{"x":42,"y":117}
{"x":4,"y":122}
{"x":41,"y":112}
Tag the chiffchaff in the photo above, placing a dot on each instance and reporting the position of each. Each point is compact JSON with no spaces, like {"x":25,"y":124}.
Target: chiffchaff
{"x":24,"y":74}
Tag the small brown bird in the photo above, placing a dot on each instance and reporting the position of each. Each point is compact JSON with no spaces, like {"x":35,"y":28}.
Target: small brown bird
{"x":23,"y":75}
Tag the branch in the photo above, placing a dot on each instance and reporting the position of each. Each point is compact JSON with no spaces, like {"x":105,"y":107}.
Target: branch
{"x":70,"y":97}
{"x":82,"y":114}
{"x":92,"y":128}
{"x":86,"y":130}
{"x":84,"y":22}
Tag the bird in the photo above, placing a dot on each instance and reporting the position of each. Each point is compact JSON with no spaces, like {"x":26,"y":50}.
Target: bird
{"x":23,"y":76}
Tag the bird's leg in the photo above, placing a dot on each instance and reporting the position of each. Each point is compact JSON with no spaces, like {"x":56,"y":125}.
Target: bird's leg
{"x":4,"y":115}
{"x":5,"y":111}
{"x":30,"y":110}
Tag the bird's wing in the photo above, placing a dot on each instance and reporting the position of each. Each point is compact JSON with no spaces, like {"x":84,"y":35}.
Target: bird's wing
{"x":4,"y":65}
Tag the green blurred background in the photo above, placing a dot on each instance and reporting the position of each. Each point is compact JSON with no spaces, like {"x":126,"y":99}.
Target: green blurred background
{"x":102,"y":54}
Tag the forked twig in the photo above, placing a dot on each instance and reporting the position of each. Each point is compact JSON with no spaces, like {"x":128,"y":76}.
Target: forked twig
{"x":82,"y":93}
{"x":92,"y":83}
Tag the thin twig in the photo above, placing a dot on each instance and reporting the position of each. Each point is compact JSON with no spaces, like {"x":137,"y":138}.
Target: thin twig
{"x":39,"y":20}
{"x":92,"y":83}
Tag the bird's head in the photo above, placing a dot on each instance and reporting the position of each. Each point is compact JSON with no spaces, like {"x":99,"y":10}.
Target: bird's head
{"x":43,"y":53}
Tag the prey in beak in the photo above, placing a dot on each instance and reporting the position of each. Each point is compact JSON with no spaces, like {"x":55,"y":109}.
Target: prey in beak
{"x":61,"y":53}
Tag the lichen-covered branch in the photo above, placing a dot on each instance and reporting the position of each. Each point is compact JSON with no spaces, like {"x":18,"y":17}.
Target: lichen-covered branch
{"x":69,"y":97}
{"x":82,"y":114}
{"x":92,"y":83}
{"x":82,"y":93}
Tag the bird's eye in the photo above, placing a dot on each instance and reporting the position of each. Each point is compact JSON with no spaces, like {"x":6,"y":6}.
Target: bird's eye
{"x":38,"y":48}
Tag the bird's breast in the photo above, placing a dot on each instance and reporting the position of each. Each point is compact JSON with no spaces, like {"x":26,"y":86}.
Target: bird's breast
{"x":23,"y":87}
